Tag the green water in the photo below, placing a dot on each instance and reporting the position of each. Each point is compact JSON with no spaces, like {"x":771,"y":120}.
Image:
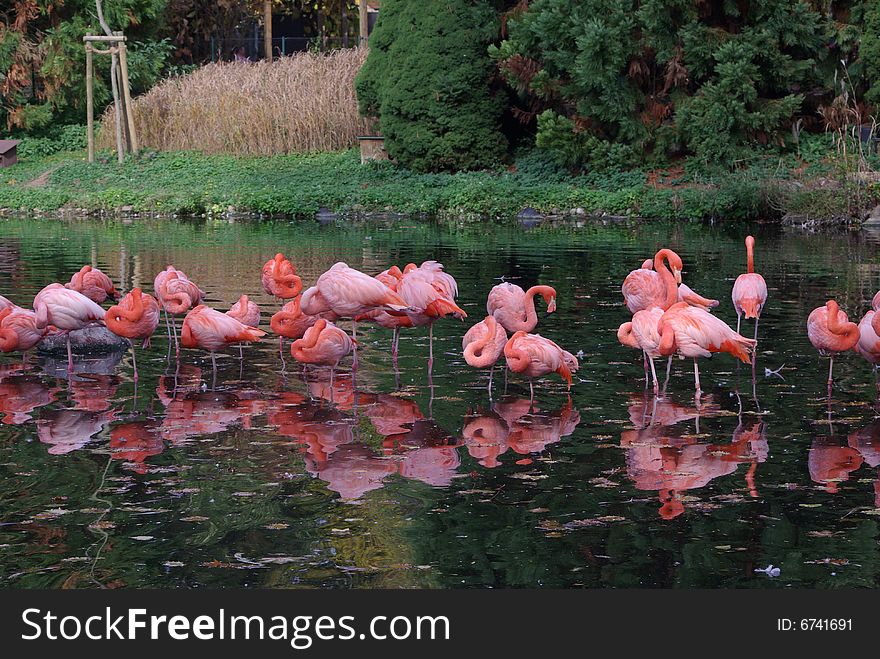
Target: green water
{"x":263,"y":481}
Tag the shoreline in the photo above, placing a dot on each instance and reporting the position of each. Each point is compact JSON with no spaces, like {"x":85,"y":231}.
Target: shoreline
{"x":335,"y":186}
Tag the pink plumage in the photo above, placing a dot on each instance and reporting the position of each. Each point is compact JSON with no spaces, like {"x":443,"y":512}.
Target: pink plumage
{"x":483,"y":344}
{"x":323,"y":344}
{"x":18,"y":329}
{"x":92,"y":283}
{"x":348,"y":293}
{"x":534,"y":356}
{"x":212,"y":330}
{"x":175,"y":292}
{"x":694,"y":332}
{"x":245,"y":311}
{"x":64,"y":308}
{"x":514,"y":308}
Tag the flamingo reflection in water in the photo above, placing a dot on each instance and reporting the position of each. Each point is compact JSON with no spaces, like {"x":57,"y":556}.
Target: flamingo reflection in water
{"x":21,"y":394}
{"x":515,"y":424}
{"x":831,"y":462}
{"x":666,"y":460}
{"x":134,"y":441}
{"x":65,"y":431}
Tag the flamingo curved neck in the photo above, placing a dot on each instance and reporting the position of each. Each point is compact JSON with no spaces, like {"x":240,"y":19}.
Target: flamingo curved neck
{"x":667,"y":340}
{"x":668,"y":279}
{"x":750,"y":255}
{"x":847,"y":332}
{"x":475,"y":353}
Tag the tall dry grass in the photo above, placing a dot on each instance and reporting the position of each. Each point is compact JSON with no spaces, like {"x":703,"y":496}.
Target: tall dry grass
{"x":299,"y":104}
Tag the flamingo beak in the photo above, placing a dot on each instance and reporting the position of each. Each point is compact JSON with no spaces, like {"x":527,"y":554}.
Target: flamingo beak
{"x":551,"y":305}
{"x":677,"y":273}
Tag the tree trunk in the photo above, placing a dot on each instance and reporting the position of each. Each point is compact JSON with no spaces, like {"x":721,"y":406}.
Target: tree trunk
{"x":363,"y":24}
{"x":267,"y":29}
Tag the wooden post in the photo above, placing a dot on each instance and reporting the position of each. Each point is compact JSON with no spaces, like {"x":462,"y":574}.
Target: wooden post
{"x":363,"y":24}
{"x":90,"y":104}
{"x":126,"y":95}
{"x":267,"y":29}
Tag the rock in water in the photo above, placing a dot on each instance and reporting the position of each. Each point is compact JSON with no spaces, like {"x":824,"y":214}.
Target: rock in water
{"x":95,"y":339}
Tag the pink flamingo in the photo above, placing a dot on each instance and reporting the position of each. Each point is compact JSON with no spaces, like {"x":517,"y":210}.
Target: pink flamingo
{"x":534,"y":356}
{"x":323,"y":344}
{"x":67,"y":310}
{"x":279,"y":278}
{"x":830,"y":332}
{"x":391,"y":278}
{"x":176,"y":295}
{"x":686,"y":293}
{"x":135,"y":317}
{"x":431,"y":293}
{"x":483,"y":344}
{"x":247,"y":312}
{"x":291,"y":323}
{"x":515,"y":308}
{"x":645,"y":288}
{"x":349,"y":293}
{"x":869,"y":339}
{"x":643,"y":333}
{"x":750,"y":290}
{"x":18,"y":330}
{"x":5,"y":303}
{"x":211,"y":330}
{"x":92,"y":283}
{"x":694,"y":332}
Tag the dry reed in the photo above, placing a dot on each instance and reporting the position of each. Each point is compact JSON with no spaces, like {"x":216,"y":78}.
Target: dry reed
{"x":299,"y":104}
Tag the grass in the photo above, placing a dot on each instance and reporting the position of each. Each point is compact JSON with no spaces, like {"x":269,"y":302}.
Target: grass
{"x":301,"y":184}
{"x":300,"y":104}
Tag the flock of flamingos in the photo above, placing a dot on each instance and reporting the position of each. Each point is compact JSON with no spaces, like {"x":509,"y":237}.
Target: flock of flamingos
{"x":668,"y":317}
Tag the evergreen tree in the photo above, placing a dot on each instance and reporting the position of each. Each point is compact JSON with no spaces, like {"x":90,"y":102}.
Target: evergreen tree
{"x":428,"y":80}
{"x":662,"y":76}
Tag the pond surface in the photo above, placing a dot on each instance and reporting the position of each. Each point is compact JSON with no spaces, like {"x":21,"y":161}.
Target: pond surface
{"x":274,"y":480}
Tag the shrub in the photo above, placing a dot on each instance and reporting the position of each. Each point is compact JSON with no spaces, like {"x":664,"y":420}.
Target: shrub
{"x":427,"y":79}
{"x":305,"y":103}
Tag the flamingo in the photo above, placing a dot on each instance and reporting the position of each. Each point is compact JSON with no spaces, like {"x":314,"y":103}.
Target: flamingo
{"x":391,"y":278}
{"x":67,"y":310}
{"x":694,"y":332}
{"x":431,"y":292}
{"x":135,"y":317}
{"x":645,"y":288}
{"x":92,"y":283}
{"x":869,"y":339}
{"x":18,"y":329}
{"x":279,"y":278}
{"x":176,"y":295}
{"x":323,"y":344}
{"x":515,"y":308}
{"x":750,"y":290}
{"x":5,"y":303}
{"x":534,"y":356}
{"x":211,"y":330}
{"x":247,"y":313}
{"x":483,"y":344}
{"x":291,"y":323}
{"x":686,"y":293}
{"x":349,"y":293}
{"x":642,"y":333}
{"x":830,"y":332}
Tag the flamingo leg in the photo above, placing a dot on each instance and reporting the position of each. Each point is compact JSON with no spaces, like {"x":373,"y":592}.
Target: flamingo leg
{"x":354,"y":359}
{"x":69,"y":355}
{"x":830,"y":375}
{"x":645,"y":364}
{"x":214,"y":364}
{"x":240,"y":352}
{"x":531,"y":392}
{"x":134,"y":362}
{"x":750,"y":479}
{"x":491,"y":373}
{"x":430,"y":349}
{"x":654,"y":373}
{"x":281,"y":347}
{"x":738,"y":319}
{"x":668,"y":371}
{"x":697,"y":389}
